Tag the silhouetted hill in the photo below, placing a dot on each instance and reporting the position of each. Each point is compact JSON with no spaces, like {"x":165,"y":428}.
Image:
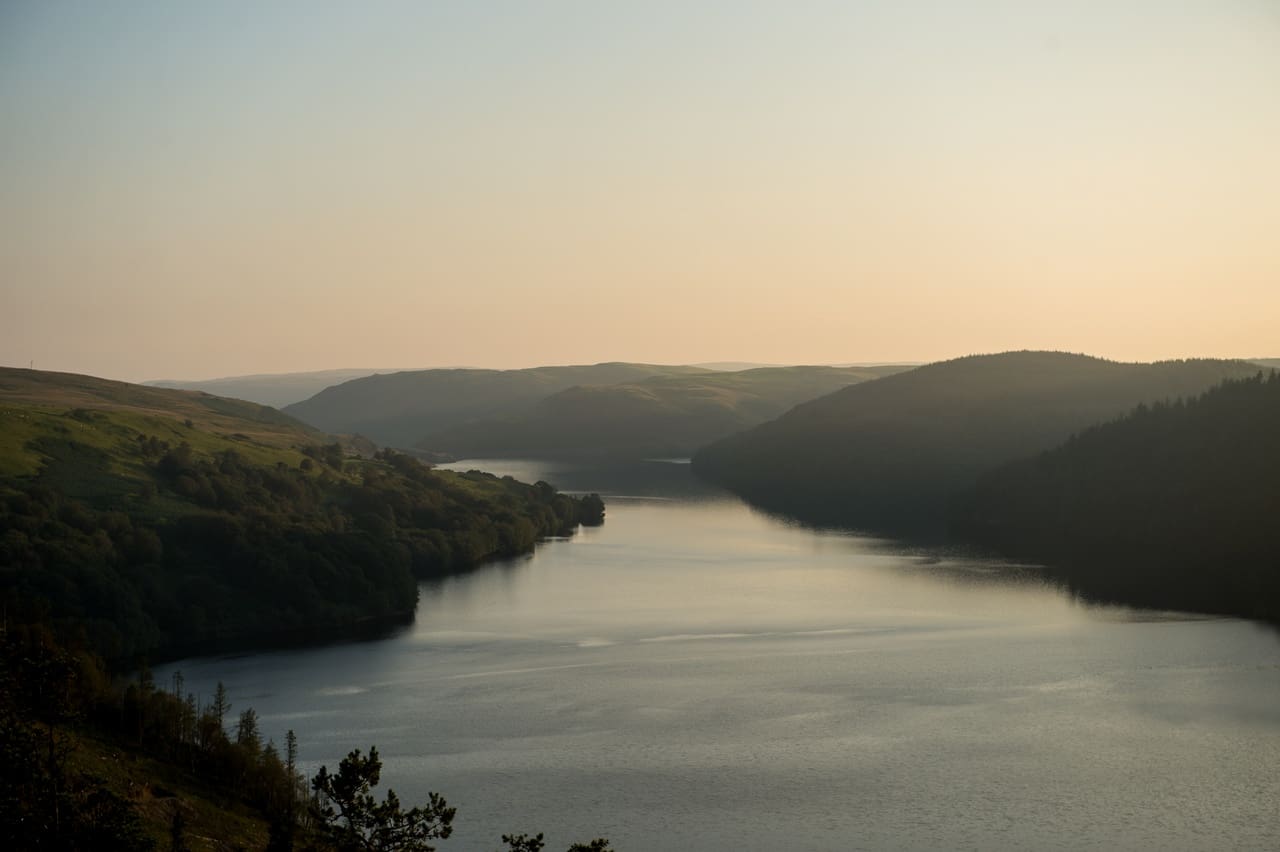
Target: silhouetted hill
{"x":1176,"y":505}
{"x":162,"y":521}
{"x":274,"y":389}
{"x":889,"y":454}
{"x":661,"y":416}
{"x":1270,"y":363}
{"x":401,"y":409}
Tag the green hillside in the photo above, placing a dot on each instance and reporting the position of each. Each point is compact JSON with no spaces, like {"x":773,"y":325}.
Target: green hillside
{"x":162,"y":522}
{"x":1174,"y":506}
{"x":890,"y":454}
{"x":661,"y":416}
{"x":400,"y":409}
{"x":210,"y":413}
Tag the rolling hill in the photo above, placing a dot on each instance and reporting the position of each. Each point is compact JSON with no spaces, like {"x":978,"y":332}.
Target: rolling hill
{"x":212,"y":413}
{"x":660,"y":416}
{"x":400,"y":409}
{"x":892,"y":453}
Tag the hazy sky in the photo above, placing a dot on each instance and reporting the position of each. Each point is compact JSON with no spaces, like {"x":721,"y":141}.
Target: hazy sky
{"x":200,"y":189}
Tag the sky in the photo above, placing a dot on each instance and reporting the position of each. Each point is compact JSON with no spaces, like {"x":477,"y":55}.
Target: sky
{"x":191,"y":189}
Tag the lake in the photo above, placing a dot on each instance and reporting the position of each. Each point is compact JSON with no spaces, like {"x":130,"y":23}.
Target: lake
{"x":696,"y":675}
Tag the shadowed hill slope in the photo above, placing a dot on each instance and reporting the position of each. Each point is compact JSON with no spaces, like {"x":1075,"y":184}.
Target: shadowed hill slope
{"x":401,"y":408}
{"x":662,"y":416}
{"x":891,"y":453}
{"x":1175,"y":506}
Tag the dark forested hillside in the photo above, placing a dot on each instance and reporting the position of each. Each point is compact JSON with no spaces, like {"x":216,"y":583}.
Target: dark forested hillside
{"x":891,"y":453}
{"x":1176,"y":505}
{"x":400,"y":409}
{"x":153,"y":532}
{"x":660,"y":416}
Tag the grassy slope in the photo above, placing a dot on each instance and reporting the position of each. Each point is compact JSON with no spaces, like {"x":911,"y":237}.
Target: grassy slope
{"x":91,"y":454}
{"x":656,"y":416}
{"x":891,"y":452}
{"x":51,"y":424}
{"x":212,"y":413}
{"x":401,"y":408}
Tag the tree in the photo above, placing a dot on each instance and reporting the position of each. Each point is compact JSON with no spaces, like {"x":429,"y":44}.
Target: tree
{"x":354,"y":821}
{"x":247,"y":731}
{"x":221,"y":704}
{"x":525,"y":843}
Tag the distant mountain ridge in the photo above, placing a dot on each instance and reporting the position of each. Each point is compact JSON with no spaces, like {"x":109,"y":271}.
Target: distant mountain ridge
{"x":274,"y":389}
{"x":892,"y":453}
{"x":659,"y":416}
{"x":400,"y":409}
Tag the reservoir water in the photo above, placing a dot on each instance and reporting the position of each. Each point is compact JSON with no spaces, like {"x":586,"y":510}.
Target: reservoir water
{"x":695,"y":675}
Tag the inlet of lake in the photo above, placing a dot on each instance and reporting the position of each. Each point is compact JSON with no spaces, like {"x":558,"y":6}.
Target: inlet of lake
{"x":696,"y":675}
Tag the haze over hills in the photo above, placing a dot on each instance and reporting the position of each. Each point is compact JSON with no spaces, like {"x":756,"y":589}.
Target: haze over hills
{"x":1173,"y":506}
{"x":660,"y":416}
{"x":890,"y":454}
{"x":734,"y":366}
{"x":274,"y":389}
{"x":400,"y":409}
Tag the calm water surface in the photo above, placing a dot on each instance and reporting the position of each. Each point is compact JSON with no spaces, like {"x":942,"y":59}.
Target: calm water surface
{"x":697,"y":676}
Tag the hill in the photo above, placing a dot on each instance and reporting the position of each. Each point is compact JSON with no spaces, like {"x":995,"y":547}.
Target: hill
{"x":212,"y":413}
{"x":163,"y":522}
{"x":661,"y":416}
{"x":1173,"y":506}
{"x":400,"y":409}
{"x":890,"y":454}
{"x":274,"y":389}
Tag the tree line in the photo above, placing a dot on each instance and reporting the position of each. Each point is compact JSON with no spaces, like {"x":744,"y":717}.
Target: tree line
{"x":1174,"y":505}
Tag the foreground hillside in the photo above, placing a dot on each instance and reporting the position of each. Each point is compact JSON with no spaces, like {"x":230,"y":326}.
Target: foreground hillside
{"x":1176,"y":505}
{"x":892,"y":453}
{"x":161,"y":522}
{"x":661,"y":416}
{"x":400,"y":409}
